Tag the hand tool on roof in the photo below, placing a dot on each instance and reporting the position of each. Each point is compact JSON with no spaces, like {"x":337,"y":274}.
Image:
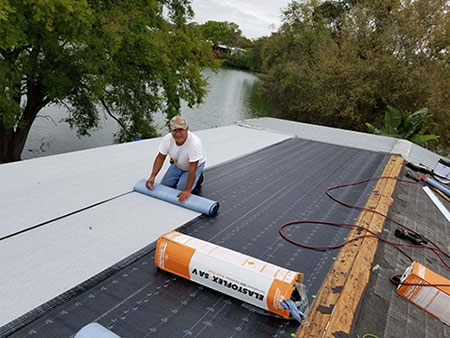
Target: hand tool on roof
{"x":418,"y":168}
{"x":429,"y":181}
{"x":441,"y":172}
{"x":414,"y":238}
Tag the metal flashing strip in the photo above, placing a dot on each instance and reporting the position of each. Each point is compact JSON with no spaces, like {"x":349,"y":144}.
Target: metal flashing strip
{"x":437,"y":202}
{"x":402,"y":147}
{"x":258,"y":193}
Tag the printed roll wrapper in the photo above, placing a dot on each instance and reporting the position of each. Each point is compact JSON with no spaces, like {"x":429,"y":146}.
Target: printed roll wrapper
{"x":243,"y":277}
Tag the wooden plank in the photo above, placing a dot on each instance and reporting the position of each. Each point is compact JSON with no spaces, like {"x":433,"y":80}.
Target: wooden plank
{"x":335,"y":306}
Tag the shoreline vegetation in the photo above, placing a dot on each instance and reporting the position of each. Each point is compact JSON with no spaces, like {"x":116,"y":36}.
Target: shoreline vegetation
{"x":349,"y":64}
{"x":339,"y":63}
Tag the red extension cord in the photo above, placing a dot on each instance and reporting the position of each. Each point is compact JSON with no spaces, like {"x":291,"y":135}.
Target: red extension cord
{"x":434,"y":247}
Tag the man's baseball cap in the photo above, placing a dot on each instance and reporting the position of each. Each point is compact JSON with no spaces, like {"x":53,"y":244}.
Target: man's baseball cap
{"x":178,"y":122}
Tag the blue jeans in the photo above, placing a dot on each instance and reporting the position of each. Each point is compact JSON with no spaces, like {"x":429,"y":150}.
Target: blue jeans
{"x":175,"y":177}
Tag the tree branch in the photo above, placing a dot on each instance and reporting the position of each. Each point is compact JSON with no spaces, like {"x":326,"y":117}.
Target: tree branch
{"x":47,"y":117}
{"x":65,"y":105}
{"x":114,"y":117}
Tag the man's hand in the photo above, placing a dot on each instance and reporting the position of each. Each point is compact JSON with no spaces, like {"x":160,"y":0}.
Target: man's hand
{"x":150,"y":182}
{"x":183,"y":196}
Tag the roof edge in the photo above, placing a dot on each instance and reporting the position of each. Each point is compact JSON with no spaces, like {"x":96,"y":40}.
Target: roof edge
{"x":354,"y":139}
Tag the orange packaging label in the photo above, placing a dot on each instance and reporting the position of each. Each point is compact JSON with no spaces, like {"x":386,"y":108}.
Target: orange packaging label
{"x":249,"y":279}
{"x":433,"y":299}
{"x":172,"y":256}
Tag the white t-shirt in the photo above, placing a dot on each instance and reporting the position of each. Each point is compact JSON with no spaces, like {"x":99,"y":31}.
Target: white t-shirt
{"x":190,"y":151}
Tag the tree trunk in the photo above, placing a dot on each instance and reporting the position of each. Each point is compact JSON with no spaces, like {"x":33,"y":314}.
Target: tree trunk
{"x":12,"y":140}
{"x":9,"y":151}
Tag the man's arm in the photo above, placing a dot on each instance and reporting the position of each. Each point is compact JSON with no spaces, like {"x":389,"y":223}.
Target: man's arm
{"x":184,"y":195}
{"x":157,"y":165}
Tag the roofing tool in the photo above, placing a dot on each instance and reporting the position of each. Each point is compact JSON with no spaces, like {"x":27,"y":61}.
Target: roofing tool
{"x":419,"y":168}
{"x":441,"y":171}
{"x":415,"y":238}
{"x":248,"y":279}
{"x":414,"y":176}
{"x":196,"y":203}
{"x":429,"y":181}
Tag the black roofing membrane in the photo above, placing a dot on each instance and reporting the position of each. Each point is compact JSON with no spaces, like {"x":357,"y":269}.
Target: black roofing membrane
{"x":257,"y":193}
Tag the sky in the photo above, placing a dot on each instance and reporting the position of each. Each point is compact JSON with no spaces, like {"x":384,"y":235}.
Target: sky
{"x":255,"y":18}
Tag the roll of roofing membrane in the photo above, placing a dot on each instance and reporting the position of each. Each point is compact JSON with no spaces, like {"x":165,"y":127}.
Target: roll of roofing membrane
{"x":249,"y":279}
{"x":94,"y":330}
{"x":196,"y":203}
{"x":435,"y":184}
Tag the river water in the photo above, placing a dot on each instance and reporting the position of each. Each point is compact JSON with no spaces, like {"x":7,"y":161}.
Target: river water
{"x":231,"y":97}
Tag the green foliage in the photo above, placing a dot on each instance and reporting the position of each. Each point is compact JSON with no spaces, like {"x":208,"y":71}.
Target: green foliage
{"x":407,"y":125}
{"x":5,"y":9}
{"x":340,"y":63}
{"x":257,"y":104}
{"x":223,"y":33}
{"x":218,"y":32}
{"x":392,"y":121}
{"x":257,"y":54}
{"x":130,"y":57}
{"x":239,"y":48}
{"x":240,"y":60}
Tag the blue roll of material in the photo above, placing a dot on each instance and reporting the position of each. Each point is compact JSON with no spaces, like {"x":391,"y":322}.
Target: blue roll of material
{"x":435,"y":184}
{"x":196,"y":203}
{"x":94,"y":330}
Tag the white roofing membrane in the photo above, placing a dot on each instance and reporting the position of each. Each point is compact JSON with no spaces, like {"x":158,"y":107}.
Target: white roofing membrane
{"x":38,"y":190}
{"x":40,"y":264}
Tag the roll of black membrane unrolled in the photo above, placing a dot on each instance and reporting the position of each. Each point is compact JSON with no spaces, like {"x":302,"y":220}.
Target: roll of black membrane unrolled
{"x":195,"y":203}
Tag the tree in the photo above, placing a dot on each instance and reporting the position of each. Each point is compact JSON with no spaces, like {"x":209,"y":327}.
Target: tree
{"x":128,"y":57}
{"x":257,"y":53}
{"x":223,"y":32}
{"x":218,"y":32}
{"x":340,"y":63}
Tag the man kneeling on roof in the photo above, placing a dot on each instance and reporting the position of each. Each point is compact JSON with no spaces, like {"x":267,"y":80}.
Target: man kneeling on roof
{"x":187,"y":158}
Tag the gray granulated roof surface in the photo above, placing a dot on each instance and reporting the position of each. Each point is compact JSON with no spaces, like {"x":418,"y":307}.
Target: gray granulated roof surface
{"x":382,"y":312}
